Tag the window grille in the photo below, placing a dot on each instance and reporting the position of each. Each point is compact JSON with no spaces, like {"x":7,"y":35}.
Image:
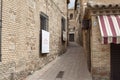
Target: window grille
{"x":63,"y":27}
{"x":44,"y":21}
{"x":63,"y":23}
{"x":44,"y":26}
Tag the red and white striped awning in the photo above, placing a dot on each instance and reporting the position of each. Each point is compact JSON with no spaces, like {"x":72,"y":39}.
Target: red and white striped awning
{"x":110,"y":28}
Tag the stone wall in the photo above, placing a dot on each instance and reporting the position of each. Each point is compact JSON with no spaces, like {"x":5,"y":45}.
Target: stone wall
{"x":97,"y":54}
{"x":86,"y":45}
{"x":100,"y":54}
{"x":72,"y":23}
{"x":20,"y":36}
{"x":61,"y":6}
{"x":72,"y":20}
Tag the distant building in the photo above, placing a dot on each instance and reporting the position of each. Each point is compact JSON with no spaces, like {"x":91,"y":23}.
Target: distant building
{"x":33,"y":33}
{"x":78,"y":31}
{"x":72,"y":25}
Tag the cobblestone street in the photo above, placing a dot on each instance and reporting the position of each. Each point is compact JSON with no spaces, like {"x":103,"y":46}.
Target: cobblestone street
{"x":70,"y":66}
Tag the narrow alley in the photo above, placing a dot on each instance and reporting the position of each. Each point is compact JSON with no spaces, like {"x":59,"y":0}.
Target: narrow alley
{"x":59,"y":39}
{"x":69,"y":66}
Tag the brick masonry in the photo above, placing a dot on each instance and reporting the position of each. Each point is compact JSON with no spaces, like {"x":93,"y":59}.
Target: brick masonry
{"x":72,"y":23}
{"x":20,"y":36}
{"x":98,"y":55}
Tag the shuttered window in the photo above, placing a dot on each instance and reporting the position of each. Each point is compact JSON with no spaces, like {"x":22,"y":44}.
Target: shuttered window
{"x":63,"y":23}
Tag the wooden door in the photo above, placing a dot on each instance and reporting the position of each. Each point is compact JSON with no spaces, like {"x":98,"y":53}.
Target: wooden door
{"x":115,"y":61}
{"x":71,"y":37}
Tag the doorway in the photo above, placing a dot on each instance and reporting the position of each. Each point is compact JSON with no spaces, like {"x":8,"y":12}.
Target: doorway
{"x":115,"y":61}
{"x":71,"y":37}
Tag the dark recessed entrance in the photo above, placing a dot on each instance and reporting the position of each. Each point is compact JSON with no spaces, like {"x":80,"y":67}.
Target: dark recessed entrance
{"x":71,"y":37}
{"x":115,"y":61}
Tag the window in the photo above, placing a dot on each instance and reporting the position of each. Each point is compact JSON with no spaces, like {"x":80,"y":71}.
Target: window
{"x":44,"y":27}
{"x":63,"y":23}
{"x":71,"y":16}
{"x":44,"y":21}
{"x":86,"y":24}
{"x":63,"y":28}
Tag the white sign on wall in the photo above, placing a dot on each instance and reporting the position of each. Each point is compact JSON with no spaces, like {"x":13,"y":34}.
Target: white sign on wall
{"x":45,"y":41}
{"x":64,"y":36}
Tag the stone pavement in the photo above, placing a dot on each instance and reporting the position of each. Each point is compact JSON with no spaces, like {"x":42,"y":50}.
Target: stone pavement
{"x":70,"y":66}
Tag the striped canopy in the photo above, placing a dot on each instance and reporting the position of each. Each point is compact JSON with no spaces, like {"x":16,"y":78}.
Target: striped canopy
{"x":110,"y":28}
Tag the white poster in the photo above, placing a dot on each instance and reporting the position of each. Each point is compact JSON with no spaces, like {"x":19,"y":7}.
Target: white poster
{"x":45,"y":41}
{"x":64,"y":36}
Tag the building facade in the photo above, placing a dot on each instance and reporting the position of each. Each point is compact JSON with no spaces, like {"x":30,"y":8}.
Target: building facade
{"x":72,"y":25}
{"x":78,"y":30}
{"x":101,"y":37}
{"x":25,"y":23}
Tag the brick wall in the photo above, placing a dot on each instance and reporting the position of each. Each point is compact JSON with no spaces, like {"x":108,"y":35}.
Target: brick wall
{"x":86,"y":45}
{"x":74,"y":25}
{"x":97,"y":54}
{"x":61,"y":5}
{"x":100,"y":54}
{"x":20,"y":36}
